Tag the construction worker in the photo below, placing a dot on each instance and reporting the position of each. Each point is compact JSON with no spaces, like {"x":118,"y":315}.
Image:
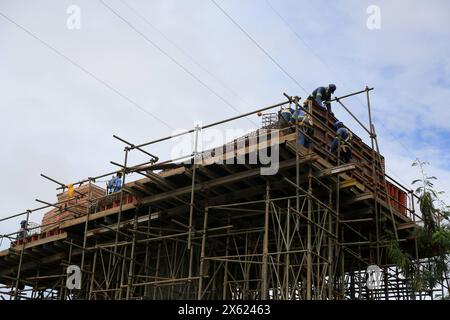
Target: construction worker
{"x":290,"y":116}
{"x":115,"y":184}
{"x":322,"y":94}
{"x":342,"y":142}
{"x":285,"y":116}
{"x":23,"y":231}
{"x":118,"y":183}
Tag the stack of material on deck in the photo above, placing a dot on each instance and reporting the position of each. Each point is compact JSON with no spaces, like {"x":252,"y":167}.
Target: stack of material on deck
{"x":75,"y":207}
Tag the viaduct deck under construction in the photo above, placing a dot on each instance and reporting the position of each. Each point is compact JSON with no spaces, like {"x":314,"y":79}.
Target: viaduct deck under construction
{"x":199,"y":227}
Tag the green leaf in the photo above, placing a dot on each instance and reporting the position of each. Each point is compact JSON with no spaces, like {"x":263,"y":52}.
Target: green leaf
{"x":415,"y":181}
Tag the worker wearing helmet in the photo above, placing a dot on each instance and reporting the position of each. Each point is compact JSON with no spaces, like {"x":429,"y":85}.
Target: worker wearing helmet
{"x":285,"y":116}
{"x":323,"y":94}
{"x":290,"y":117}
{"x":23,"y":231}
{"x":342,"y":142}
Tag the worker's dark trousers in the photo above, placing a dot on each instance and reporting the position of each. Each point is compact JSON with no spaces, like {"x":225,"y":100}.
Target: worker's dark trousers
{"x":303,"y":136}
{"x":345,"y":154}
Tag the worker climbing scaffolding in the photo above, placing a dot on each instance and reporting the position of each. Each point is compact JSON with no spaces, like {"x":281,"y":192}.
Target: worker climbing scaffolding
{"x":341,"y":145}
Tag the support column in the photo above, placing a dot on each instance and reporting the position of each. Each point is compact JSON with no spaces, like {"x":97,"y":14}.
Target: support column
{"x":308,"y":242}
{"x":264,"y":275}
{"x":202,"y":255}
{"x":25,"y":233}
{"x":191,"y":204}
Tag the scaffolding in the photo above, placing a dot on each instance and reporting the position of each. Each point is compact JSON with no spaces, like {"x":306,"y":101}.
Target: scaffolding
{"x":196,"y":227}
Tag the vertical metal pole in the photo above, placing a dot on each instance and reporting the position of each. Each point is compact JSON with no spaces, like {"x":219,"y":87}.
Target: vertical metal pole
{"x":36,"y":286}
{"x":202,"y":255}
{"x":265,"y":245}
{"x":342,"y":266}
{"x":246,"y":267}
{"x":308,"y":242}
{"x":147,"y":257}
{"x":227,"y":252}
{"x":122,"y":272}
{"x":121,"y":198}
{"x":330,"y":248}
{"x":158,"y":256}
{"x":191,"y":208}
{"x":297,"y":159}
{"x":339,"y":227}
{"x":91,"y":287}
{"x":373,"y":137}
{"x":375,"y":178}
{"x":318,"y":291}
{"x":86,"y":229}
{"x":19,"y":269}
{"x":288,"y":249}
{"x":119,"y":216}
{"x":386,"y":286}
{"x":132,"y":256}
{"x":394,"y":225}
{"x":69,"y":261}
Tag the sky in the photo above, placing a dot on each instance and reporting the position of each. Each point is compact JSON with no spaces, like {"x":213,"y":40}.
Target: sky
{"x":144,"y":69}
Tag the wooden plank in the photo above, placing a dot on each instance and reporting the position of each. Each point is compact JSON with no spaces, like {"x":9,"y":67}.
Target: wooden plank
{"x":407,"y":225}
{"x":348,"y":184}
{"x":41,"y":241}
{"x":33,"y":264}
{"x":221,"y":181}
{"x":94,"y":216}
{"x":335,"y":170}
{"x":361,"y":197}
{"x":222,"y":158}
{"x":327,"y":165}
{"x":162,"y":174}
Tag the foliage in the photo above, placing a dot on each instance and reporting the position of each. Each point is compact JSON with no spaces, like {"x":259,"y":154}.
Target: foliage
{"x":433,"y":237}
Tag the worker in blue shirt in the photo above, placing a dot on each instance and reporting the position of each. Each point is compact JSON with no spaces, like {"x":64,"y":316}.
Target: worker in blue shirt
{"x":290,"y":116}
{"x":115,"y":184}
{"x":342,"y":142}
{"x":323,"y":94}
{"x":118,"y":183}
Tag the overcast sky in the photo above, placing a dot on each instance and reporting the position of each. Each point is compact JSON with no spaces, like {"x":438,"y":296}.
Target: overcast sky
{"x":59,"y":120}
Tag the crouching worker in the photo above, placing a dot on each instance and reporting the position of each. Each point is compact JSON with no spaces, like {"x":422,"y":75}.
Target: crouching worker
{"x":342,"y":143}
{"x":322,"y":95}
{"x":290,"y":117}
